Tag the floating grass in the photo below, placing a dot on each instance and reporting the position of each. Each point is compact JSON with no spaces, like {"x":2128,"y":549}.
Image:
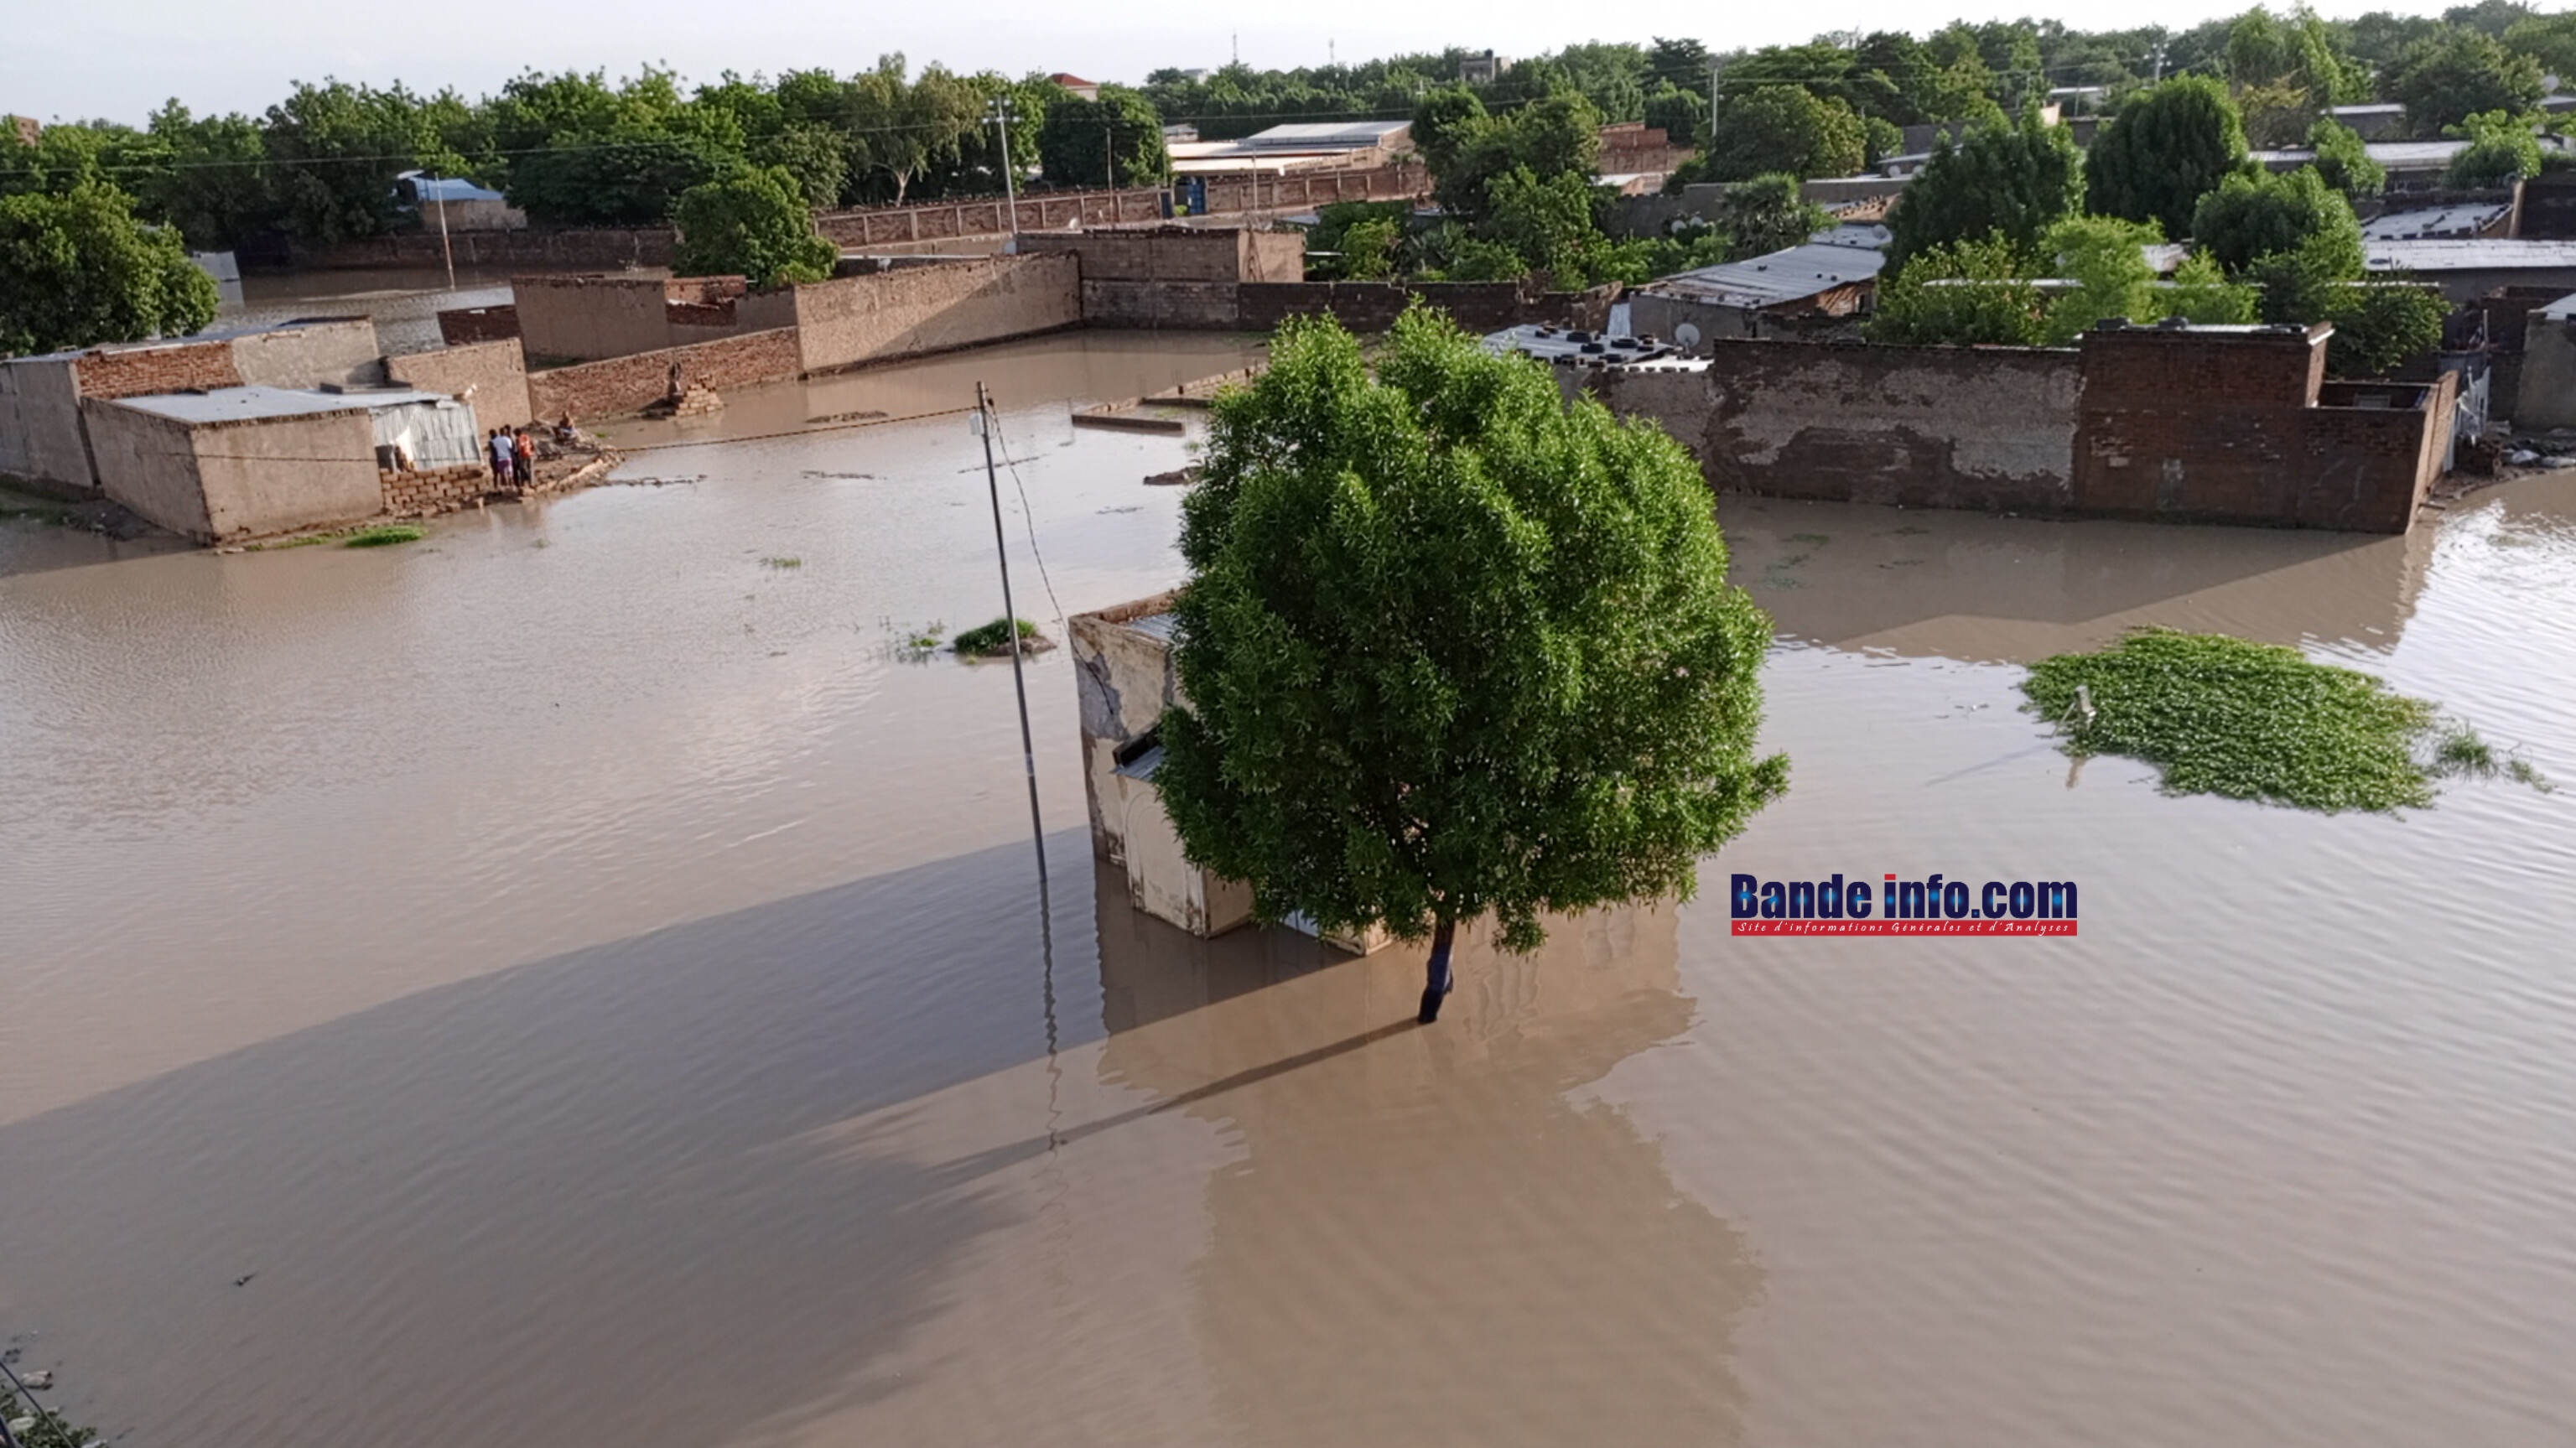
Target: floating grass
{"x":2223,"y":716}
{"x":385,"y":535}
{"x":782,"y":563}
{"x":986,"y":640}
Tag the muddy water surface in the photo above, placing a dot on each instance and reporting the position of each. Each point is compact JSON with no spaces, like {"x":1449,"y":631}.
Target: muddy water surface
{"x":577,"y":972}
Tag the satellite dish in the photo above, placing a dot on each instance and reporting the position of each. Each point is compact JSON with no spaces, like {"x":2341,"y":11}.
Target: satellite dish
{"x":1687,"y":334}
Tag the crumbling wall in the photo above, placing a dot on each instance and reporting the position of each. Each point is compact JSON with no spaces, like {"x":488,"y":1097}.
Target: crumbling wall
{"x":621,"y":385}
{"x":458,"y":326}
{"x":147,"y":462}
{"x":490,"y":377}
{"x":1921,"y":427}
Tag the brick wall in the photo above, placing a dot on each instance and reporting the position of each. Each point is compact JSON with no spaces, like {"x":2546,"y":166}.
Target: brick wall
{"x":2217,"y":427}
{"x":623,"y":385}
{"x":433,"y":491}
{"x":915,"y":310}
{"x":1374,"y":306}
{"x":490,"y":377}
{"x":534,"y":247}
{"x":464,"y":325}
{"x":141,"y":371}
{"x":1180,"y":254}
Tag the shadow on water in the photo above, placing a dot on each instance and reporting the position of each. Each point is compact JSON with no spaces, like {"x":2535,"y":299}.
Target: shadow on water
{"x":565,"y":1197}
{"x":1970,"y":586}
{"x":593,"y":1197}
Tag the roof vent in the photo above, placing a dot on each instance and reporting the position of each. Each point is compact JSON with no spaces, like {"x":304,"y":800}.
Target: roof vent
{"x":2112,"y":324}
{"x":2174,"y":324}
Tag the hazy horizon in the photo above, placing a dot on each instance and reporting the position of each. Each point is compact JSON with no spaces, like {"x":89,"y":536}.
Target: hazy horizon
{"x":121,"y":60}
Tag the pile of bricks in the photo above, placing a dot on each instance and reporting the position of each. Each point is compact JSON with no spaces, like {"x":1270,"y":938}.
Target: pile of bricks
{"x":697,"y":401}
{"x":432,"y":491}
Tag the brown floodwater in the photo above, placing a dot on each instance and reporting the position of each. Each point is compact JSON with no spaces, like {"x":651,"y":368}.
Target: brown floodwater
{"x":577,"y":973}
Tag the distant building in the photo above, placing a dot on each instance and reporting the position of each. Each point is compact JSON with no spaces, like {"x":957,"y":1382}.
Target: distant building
{"x":1836,"y":275}
{"x":1182,"y":132}
{"x":2466,"y":270}
{"x":1483,"y":69}
{"x":1305,"y":146}
{"x":26,"y":128}
{"x":2378,"y":121}
{"x":1088,"y":90}
{"x":458,"y":204}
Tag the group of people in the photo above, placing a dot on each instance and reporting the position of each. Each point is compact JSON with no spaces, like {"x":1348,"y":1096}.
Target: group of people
{"x":514,"y":456}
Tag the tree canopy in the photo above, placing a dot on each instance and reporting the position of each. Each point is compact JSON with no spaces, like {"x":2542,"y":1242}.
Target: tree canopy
{"x":1116,"y":140}
{"x":752,"y":222}
{"x":78,"y":269}
{"x":1452,"y":646}
{"x":2019,"y":180}
{"x":1763,"y":129}
{"x":2446,"y":78}
{"x":2165,"y":149}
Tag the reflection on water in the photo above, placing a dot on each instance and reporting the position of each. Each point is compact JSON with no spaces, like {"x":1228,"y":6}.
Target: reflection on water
{"x":567,"y":972}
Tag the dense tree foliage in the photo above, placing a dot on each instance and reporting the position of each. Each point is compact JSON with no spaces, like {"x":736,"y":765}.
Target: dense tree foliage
{"x":1559,"y":134}
{"x":2343,"y":161}
{"x":1116,"y":140}
{"x":1975,"y":292}
{"x":752,"y":222}
{"x":2167,"y":147}
{"x":2501,"y":151}
{"x":2018,"y":180}
{"x":2447,"y":78}
{"x":2263,"y":214}
{"x":2378,"y":325}
{"x":1786,"y":129}
{"x":76,"y":268}
{"x":1453,"y":647}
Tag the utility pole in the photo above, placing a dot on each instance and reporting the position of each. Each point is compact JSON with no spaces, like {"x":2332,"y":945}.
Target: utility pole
{"x":445,"y":249}
{"x":1011,"y":622}
{"x":1010,"y":182}
{"x":1108,"y":157}
{"x":1712,"y":106}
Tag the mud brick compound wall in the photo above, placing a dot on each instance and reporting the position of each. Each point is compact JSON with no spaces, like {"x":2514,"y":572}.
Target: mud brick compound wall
{"x":428,"y":493}
{"x":914,"y":310}
{"x":630,"y":384}
{"x":1924,"y":427}
{"x":1374,"y":306}
{"x":2201,"y":426}
{"x":142,"y":371}
{"x":490,"y":377}
{"x":461,"y":325}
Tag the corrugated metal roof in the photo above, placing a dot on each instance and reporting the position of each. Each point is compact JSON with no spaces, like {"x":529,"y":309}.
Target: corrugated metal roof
{"x":1156,"y":625}
{"x":2497,"y":255}
{"x":1323,"y":134}
{"x":1782,"y":276}
{"x":234,"y":404}
{"x":2433,"y":222}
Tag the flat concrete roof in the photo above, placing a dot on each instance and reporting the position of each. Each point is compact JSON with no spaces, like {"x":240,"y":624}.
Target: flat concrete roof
{"x":237,"y":404}
{"x":2441,"y":255}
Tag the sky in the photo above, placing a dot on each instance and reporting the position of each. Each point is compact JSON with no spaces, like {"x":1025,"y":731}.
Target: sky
{"x":119,"y":59}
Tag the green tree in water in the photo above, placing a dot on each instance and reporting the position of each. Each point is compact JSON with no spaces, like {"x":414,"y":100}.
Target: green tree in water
{"x":78,"y":269}
{"x":1452,"y":646}
{"x":752,"y":223}
{"x":2165,"y":149}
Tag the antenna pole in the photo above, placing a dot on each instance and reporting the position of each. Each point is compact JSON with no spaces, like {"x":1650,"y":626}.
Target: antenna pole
{"x":1011,"y":623}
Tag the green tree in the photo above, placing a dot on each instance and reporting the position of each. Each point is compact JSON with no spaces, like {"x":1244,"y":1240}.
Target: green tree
{"x":1545,"y":220}
{"x":1767,"y":214}
{"x":574,"y":150}
{"x":752,"y":223}
{"x":1966,"y":293}
{"x":1763,"y":129}
{"x":2344,"y":162}
{"x":1445,"y":122}
{"x":2447,"y":78}
{"x":2251,"y":217}
{"x":2296,"y":51}
{"x":1331,"y":250}
{"x":2550,"y":40}
{"x":2378,"y":325}
{"x":2501,"y":150}
{"x":78,"y":269}
{"x":334,"y":151}
{"x":901,"y":128}
{"x":2164,"y":149}
{"x":1557,"y":136}
{"x":817,"y":157}
{"x":1679,"y":112}
{"x":2102,"y":255}
{"x":2201,"y":292}
{"x":2018,"y":180}
{"x":1454,"y":647}
{"x":216,"y":189}
{"x":1081,"y":141}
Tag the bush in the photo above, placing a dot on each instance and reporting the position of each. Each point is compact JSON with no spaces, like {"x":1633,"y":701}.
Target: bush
{"x":1965,"y":294}
{"x":2501,"y":151}
{"x":2378,"y":325}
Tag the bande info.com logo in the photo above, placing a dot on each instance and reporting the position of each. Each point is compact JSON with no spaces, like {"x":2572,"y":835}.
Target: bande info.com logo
{"x":1929,"y":906}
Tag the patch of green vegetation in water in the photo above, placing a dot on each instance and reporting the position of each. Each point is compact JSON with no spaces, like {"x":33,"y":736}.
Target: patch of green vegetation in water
{"x":385,"y":535}
{"x":2224,"y":716}
{"x":994,"y":637}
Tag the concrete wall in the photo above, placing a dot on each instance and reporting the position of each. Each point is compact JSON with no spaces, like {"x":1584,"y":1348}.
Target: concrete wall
{"x":335,"y":352}
{"x":1932,"y":427}
{"x":40,"y":428}
{"x":1123,"y":682}
{"x":622,"y":385}
{"x":590,"y":247}
{"x":490,"y":377}
{"x":1181,"y":254}
{"x":460,"y":325}
{"x":914,"y":310}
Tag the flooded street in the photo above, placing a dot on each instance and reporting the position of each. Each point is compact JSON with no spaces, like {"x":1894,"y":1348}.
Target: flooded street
{"x":577,"y":972}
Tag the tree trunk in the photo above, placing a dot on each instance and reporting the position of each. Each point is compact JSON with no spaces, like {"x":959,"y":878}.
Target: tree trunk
{"x":1437,"y":980}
